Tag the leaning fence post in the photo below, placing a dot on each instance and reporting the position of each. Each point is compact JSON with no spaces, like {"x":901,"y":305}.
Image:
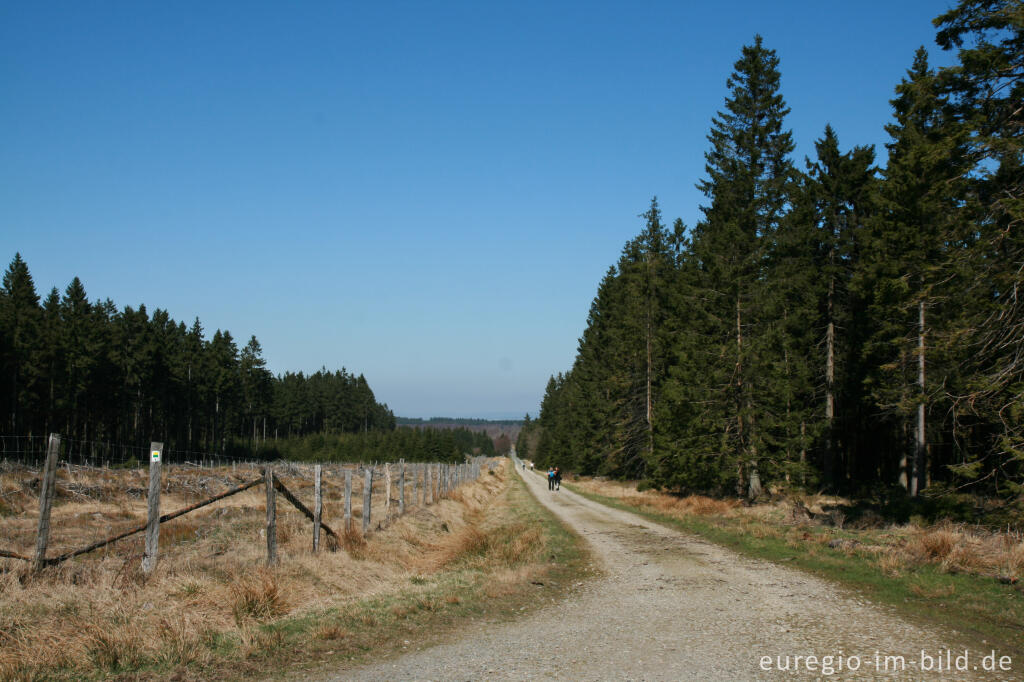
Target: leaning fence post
{"x":46,"y":489}
{"x":401,"y":487}
{"x":367,"y":493}
{"x":348,"y":500}
{"x":318,"y":505}
{"x":268,"y":480}
{"x":156,"y":451}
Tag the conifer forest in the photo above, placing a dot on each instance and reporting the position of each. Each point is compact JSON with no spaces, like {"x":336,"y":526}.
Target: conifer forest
{"x":112,"y":380}
{"x":843,"y":322}
{"x":95,"y":373}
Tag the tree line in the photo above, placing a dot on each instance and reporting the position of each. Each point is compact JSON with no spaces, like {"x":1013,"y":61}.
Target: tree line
{"x":413,"y":445}
{"x":834,"y":326}
{"x":93,"y":372}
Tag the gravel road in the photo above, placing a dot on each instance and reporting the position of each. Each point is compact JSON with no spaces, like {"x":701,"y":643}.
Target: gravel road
{"x":674,"y":607}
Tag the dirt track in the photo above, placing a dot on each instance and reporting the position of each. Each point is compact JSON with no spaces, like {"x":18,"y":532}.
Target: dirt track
{"x":673,"y":607}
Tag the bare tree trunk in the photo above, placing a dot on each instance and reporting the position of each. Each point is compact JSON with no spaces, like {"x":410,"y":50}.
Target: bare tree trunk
{"x":650,"y":420}
{"x":754,"y":490}
{"x":918,"y":482}
{"x":649,"y":333}
{"x":741,"y":445}
{"x":803,"y":451}
{"x":830,"y":380}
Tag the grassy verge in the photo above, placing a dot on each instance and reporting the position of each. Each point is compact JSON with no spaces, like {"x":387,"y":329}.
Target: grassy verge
{"x":501,"y":569}
{"x":211,"y":611}
{"x":922,"y":573}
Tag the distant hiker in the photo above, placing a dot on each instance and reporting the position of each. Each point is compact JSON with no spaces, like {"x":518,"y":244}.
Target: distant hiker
{"x":558,"y":478}
{"x":551,"y":478}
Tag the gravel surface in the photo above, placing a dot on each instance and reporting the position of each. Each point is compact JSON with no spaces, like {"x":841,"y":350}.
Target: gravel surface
{"x":674,"y":607}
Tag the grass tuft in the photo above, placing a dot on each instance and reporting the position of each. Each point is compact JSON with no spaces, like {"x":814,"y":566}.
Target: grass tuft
{"x":257,"y":596}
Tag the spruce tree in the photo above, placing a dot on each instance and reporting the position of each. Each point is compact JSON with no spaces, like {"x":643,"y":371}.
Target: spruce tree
{"x":842,"y":190}
{"x":255,"y":385}
{"x":19,"y":336}
{"x":912,"y":276}
{"x":644,"y":272}
{"x":986,"y":89}
{"x":748,"y":188}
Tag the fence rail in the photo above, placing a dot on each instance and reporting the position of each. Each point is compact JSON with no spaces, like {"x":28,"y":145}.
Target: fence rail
{"x":432,"y":480}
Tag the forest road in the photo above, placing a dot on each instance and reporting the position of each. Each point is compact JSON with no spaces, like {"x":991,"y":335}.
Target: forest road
{"x":671,"y":606}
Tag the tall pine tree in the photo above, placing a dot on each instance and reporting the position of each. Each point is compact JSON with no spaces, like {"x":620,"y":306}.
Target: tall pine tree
{"x":748,"y":188}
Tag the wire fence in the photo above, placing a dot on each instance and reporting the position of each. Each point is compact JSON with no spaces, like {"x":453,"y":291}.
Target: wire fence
{"x":104,"y":507}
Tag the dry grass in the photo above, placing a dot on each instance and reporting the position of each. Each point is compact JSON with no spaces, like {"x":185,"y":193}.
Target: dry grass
{"x":653,"y":500}
{"x":99,"y":614}
{"x":257,"y":596}
{"x":891,"y":563}
{"x":955,"y":548}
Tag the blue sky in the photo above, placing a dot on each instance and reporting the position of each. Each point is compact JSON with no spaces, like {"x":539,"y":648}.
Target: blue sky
{"x":423,"y":192}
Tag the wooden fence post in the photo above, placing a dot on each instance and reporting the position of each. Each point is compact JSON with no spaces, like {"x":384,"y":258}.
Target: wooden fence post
{"x":367,"y":493}
{"x":412,"y":472}
{"x":156,"y":451}
{"x":401,"y":487}
{"x":46,"y":489}
{"x":387,"y":491}
{"x":318,"y":506}
{"x":268,"y":479}
{"x":348,"y":500}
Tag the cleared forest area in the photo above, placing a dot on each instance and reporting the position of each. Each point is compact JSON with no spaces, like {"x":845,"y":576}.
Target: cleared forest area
{"x":213,"y":603}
